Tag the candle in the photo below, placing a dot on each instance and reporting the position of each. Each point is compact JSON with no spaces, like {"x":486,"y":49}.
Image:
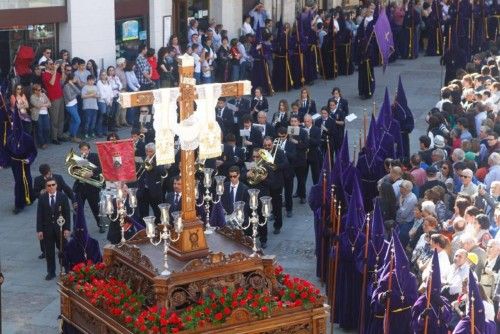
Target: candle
{"x":254,"y":198}
{"x":219,"y":188}
{"x":266,"y":206}
{"x":164,"y":212}
{"x":109,"y":205}
{"x":120,"y":193}
{"x":150,"y":226}
{"x":207,"y":181}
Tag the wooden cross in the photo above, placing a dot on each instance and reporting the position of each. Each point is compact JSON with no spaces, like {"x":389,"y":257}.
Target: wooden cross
{"x":192,"y":243}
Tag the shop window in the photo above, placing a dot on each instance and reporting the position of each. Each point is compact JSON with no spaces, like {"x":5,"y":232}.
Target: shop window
{"x":23,"y":4}
{"x":130,"y":33}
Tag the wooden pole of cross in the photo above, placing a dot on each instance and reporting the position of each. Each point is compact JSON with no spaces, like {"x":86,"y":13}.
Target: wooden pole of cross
{"x":192,"y":243}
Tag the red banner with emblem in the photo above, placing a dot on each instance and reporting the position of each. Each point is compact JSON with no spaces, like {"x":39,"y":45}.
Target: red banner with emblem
{"x":117,"y":160}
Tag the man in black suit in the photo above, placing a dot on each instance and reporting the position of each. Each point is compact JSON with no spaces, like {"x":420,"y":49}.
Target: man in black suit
{"x":290,"y":150}
{"x":276,"y":181}
{"x":268,"y":128}
{"x":174,"y":198}
{"x":295,"y":111}
{"x":240,"y":107}
{"x":259,"y":103}
{"x":263,"y":188}
{"x":254,"y":140}
{"x":326,"y":126}
{"x":139,"y":146}
{"x":149,"y":189}
{"x":39,"y":189}
{"x":52,"y":205}
{"x":224,"y":116}
{"x":301,"y":141}
{"x":314,"y":151}
{"x":85,"y":191}
{"x":231,"y":155}
{"x":234,"y":191}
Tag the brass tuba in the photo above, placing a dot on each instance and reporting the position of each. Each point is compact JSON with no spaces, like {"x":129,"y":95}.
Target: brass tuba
{"x":78,"y":167}
{"x":259,"y":172}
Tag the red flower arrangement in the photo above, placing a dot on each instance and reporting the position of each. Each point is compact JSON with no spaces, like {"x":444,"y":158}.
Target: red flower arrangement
{"x":117,"y":299}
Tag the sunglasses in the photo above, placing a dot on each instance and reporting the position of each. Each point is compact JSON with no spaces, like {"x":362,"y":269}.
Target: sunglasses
{"x":233,"y":176}
{"x":51,"y":185}
{"x":37,"y":89}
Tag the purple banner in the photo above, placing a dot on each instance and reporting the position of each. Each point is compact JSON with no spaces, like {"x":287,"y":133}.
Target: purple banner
{"x":385,"y":40}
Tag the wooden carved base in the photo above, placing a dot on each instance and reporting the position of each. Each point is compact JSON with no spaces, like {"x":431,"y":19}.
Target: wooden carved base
{"x":192,"y":243}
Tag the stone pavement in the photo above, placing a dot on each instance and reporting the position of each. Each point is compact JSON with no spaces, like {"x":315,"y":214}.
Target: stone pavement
{"x":31,"y":305}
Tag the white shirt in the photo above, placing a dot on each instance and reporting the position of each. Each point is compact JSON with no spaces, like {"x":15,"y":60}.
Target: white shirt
{"x":455,"y":277}
{"x":105,"y":92}
{"x":197,"y":64}
{"x":246,"y":28}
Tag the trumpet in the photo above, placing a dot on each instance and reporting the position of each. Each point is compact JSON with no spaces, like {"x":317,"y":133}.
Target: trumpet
{"x":147,"y":166}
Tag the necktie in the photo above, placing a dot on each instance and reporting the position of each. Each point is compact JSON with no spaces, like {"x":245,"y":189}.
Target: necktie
{"x":52,"y":202}
{"x":304,"y":104}
{"x":281,"y":116}
{"x":176,"y":200}
{"x":231,"y":200}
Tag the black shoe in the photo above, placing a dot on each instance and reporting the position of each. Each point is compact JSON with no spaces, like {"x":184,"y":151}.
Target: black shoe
{"x":50,"y":277}
{"x":62,"y":139}
{"x":289,"y":214}
{"x":102,"y":229}
{"x":41,"y":256}
{"x":16,"y":210}
{"x":56,"y":142}
{"x":302,"y":201}
{"x":276,"y":231}
{"x":295,"y":195}
{"x":263,"y":245}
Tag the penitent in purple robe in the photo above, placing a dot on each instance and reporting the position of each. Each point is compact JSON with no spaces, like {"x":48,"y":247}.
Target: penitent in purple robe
{"x":439,"y":314}
{"x":404,"y":290}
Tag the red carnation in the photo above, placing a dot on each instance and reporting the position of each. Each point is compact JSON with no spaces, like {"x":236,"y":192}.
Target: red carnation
{"x":208,"y":311}
{"x":234,"y":304}
{"x":218,"y":316}
{"x":264,"y":309}
{"x":303,"y":295}
{"x":227,"y":311}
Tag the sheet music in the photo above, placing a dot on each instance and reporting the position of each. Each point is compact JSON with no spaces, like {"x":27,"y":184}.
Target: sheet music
{"x":315,"y":116}
{"x":351,"y":117}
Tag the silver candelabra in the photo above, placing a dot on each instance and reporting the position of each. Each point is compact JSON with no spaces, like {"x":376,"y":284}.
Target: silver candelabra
{"x":107,"y":207}
{"x":238,"y":215}
{"x":166,"y":236}
{"x":208,"y":197}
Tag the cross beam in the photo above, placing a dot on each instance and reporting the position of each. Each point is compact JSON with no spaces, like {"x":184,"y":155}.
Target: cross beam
{"x":192,"y":243}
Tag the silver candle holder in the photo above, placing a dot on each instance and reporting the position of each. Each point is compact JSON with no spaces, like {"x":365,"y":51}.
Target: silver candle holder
{"x":60,"y":222}
{"x":107,"y":207}
{"x":238,"y":215}
{"x":208,"y":197}
{"x":165,"y":235}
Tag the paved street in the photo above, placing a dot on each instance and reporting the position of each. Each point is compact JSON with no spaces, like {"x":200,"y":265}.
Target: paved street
{"x":31,"y":305}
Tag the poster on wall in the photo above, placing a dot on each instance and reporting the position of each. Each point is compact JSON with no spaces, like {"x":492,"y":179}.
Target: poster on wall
{"x":130,"y":30}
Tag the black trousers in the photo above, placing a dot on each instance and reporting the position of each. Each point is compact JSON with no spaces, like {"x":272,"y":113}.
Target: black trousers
{"x":92,"y":196}
{"x":145,"y":201}
{"x":51,"y":240}
{"x":314,"y":166}
{"x":288,"y":193}
{"x":277,"y":202}
{"x":301,"y":174}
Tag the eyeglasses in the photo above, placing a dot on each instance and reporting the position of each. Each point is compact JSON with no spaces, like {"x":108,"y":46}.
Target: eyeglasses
{"x":233,"y":176}
{"x":51,"y":185}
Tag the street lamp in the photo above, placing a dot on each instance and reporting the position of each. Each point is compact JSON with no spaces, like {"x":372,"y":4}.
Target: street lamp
{"x":166,"y":234}
{"x":208,"y":197}
{"x":107,"y":208}
{"x":238,"y":215}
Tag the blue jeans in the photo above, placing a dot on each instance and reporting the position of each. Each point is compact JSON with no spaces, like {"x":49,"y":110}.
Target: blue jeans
{"x":235,"y":72}
{"x":197,"y":76}
{"x":101,"y":116}
{"x":207,"y":80}
{"x":90,"y":120}
{"x":43,"y":129}
{"x":75,"y":121}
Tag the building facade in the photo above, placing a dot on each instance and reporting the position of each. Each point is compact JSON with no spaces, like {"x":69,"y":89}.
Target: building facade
{"x":106,"y":29}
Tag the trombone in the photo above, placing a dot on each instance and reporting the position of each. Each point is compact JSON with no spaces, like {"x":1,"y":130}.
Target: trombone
{"x":147,"y":165}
